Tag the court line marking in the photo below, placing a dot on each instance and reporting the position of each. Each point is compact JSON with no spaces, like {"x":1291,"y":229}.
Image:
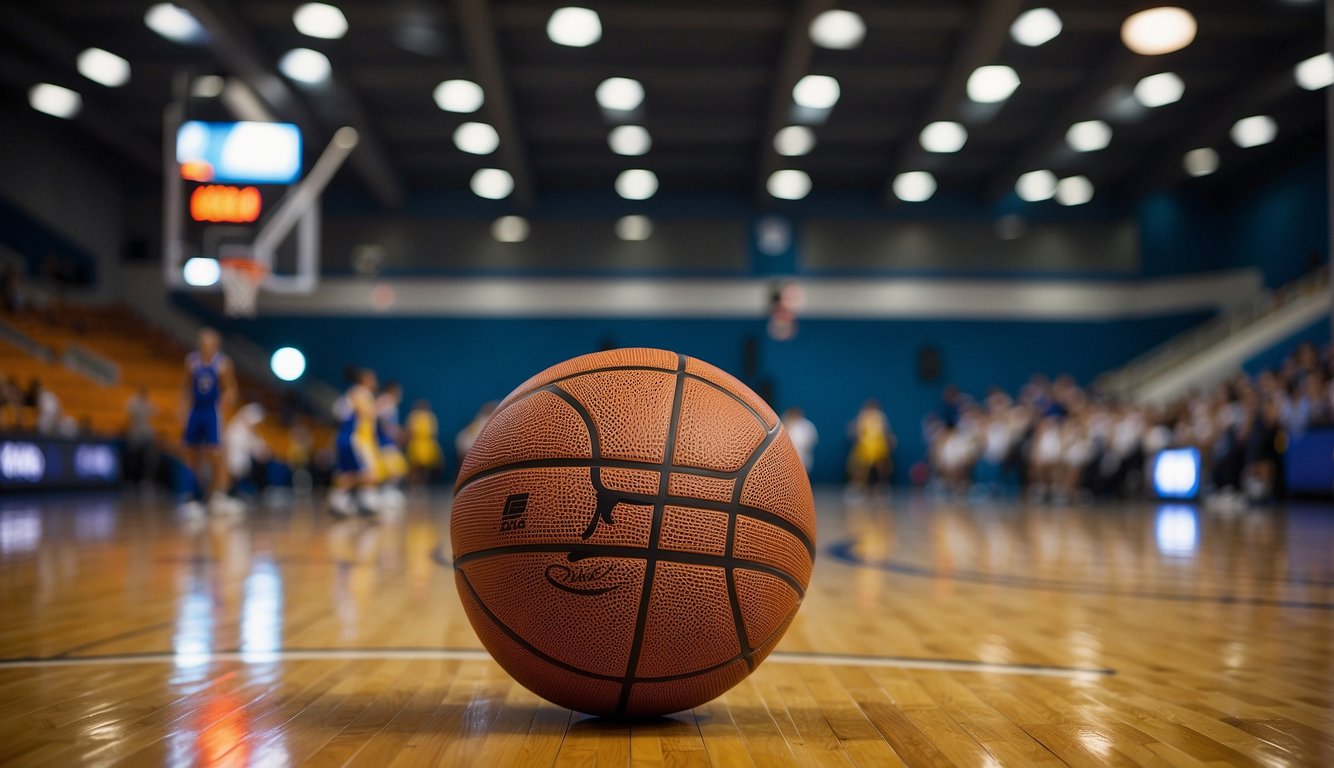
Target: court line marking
{"x":842,"y":552}
{"x":478,"y":654}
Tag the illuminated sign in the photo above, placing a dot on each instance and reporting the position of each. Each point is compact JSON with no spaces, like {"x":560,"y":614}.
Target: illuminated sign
{"x":1176,"y":473}
{"x":58,"y":464}
{"x":215,"y":202}
{"x":21,"y":462}
{"x":239,"y":153}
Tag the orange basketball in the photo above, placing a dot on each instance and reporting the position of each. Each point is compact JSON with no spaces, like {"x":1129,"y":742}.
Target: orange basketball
{"x":632,"y":532}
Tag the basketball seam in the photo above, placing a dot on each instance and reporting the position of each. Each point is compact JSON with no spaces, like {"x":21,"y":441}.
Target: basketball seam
{"x":583,"y":462}
{"x":655,"y":532}
{"x":742,"y":475}
{"x":636,"y":553}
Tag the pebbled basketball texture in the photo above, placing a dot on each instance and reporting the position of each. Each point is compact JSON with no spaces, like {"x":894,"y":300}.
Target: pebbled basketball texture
{"x":632,"y":533}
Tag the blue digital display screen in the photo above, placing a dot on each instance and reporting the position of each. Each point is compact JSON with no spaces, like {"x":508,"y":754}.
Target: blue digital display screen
{"x":239,"y":153}
{"x":48,"y":463}
{"x":1176,"y":473}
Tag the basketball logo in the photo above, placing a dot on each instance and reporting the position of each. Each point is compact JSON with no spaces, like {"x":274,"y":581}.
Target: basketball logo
{"x":656,"y":533}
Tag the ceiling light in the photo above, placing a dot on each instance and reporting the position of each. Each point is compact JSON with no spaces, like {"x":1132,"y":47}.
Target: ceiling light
{"x":914,"y":186}
{"x":634,"y":228}
{"x":1074,"y":190}
{"x":1036,"y":186}
{"x":789,"y":184}
{"x":104,"y":67}
{"x":174,"y":23}
{"x":992,"y":84}
{"x":794,"y":141}
{"x":201,"y":271}
{"x":1158,"y":30}
{"x":943,"y":137}
{"x":838,"y":29}
{"x":1159,"y":90}
{"x":1089,"y":136}
{"x":1316,"y":72}
{"x":620,"y":94}
{"x":207,"y":86}
{"x":575,"y":27}
{"x":1253,"y":131}
{"x":305,"y":66}
{"x":320,"y":20}
{"x":55,"y":100}
{"x":1200,"y":162}
{"x":816,"y":92}
{"x":476,"y":138}
{"x":492,"y":183}
{"x":1035,"y":27}
{"x":458,"y":96}
{"x":629,"y":140}
{"x":636,"y":184}
{"x":510,"y":229}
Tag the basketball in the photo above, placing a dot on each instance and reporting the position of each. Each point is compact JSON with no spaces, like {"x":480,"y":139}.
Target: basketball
{"x":632,"y":533}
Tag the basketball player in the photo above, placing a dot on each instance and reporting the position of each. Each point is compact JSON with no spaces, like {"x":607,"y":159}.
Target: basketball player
{"x":872,"y":443}
{"x":210,"y":386}
{"x":424,"y":454}
{"x":388,"y":433}
{"x":359,"y":469}
{"x":803,"y":435}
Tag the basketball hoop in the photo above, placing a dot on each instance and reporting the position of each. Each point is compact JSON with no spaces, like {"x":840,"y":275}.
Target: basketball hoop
{"x":241,"y":279}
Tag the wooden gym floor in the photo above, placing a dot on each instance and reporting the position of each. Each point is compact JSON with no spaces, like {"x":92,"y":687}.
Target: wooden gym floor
{"x":933,"y":634}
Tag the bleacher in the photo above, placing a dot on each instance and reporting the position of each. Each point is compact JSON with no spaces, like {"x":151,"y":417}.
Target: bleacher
{"x":137,"y":355}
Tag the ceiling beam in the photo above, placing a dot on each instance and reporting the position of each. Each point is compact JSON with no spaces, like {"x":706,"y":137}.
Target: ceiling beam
{"x":235,"y":45}
{"x":478,"y":31}
{"x":1119,"y":67}
{"x":1164,"y":169}
{"x":979,"y":46}
{"x":793,"y":63}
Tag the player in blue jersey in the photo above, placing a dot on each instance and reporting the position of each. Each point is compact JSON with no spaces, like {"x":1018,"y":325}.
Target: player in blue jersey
{"x":210,"y":386}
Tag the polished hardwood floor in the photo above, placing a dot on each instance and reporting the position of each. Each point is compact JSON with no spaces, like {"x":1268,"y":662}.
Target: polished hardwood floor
{"x":934,"y":633}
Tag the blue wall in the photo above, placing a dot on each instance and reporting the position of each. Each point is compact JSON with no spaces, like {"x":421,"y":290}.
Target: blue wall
{"x":1276,"y":228}
{"x":828,"y":369}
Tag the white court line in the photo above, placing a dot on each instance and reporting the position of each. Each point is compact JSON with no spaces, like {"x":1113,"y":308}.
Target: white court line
{"x":468,"y":654}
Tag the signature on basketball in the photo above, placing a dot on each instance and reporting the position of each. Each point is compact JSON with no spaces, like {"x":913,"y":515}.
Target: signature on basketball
{"x":580,"y":579}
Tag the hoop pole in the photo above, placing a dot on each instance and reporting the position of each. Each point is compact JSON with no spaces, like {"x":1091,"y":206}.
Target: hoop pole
{"x":305,"y":195}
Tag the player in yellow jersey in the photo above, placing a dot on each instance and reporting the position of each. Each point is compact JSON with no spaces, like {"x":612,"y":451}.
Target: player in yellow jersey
{"x":359,"y":468}
{"x":424,"y":454}
{"x":872,"y":445}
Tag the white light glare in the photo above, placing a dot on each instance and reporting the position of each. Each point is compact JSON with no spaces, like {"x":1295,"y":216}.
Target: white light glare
{"x":1035,"y":27}
{"x":620,"y":94}
{"x":943,"y":137}
{"x":575,"y":27}
{"x":840,"y":30}
{"x":201,"y":272}
{"x":287,"y":363}
{"x":914,"y":186}
{"x":104,"y":67}
{"x":1036,"y":186}
{"x":305,"y":66}
{"x":1159,"y":90}
{"x":476,"y":138}
{"x":636,"y":184}
{"x":510,"y":229}
{"x":816,"y":92}
{"x":1089,"y":136}
{"x":794,"y":141}
{"x":1074,"y":190}
{"x":492,"y":183}
{"x":1158,"y":30}
{"x":458,"y":96}
{"x":629,"y":140}
{"x":320,"y":20}
{"x":634,"y":228}
{"x":1316,"y":72}
{"x":1254,"y":131}
{"x":55,"y":100}
{"x":789,"y":184}
{"x":992,"y":84}
{"x":1200,"y":162}
{"x":174,"y":23}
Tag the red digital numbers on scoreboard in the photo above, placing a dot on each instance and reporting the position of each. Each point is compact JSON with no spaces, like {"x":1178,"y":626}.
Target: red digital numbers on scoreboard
{"x":221,"y":203}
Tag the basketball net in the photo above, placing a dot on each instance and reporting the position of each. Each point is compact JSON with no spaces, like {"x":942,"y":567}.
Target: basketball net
{"x":241,"y":279}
